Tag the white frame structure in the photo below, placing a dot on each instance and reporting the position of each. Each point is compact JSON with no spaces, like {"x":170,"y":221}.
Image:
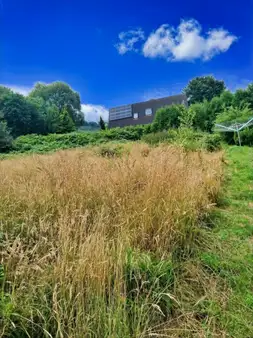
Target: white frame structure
{"x":235,"y":127}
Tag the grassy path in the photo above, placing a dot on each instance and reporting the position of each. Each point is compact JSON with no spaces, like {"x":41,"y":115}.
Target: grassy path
{"x":231,"y":255}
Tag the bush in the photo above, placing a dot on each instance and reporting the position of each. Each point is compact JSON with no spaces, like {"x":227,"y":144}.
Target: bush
{"x":167,"y":117}
{"x":211,"y":142}
{"x":247,"y":137}
{"x":155,"y":138}
{"x":42,"y":143}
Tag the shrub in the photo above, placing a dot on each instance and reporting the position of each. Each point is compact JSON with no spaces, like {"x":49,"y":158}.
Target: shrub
{"x":247,"y":137}
{"x":42,"y":143}
{"x":188,"y":138}
{"x":211,"y":142}
{"x":167,"y":117}
{"x":155,"y":138}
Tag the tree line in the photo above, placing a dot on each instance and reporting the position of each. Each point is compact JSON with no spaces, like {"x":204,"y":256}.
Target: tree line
{"x":49,"y":108}
{"x":209,"y":102}
{"x":56,"y":108}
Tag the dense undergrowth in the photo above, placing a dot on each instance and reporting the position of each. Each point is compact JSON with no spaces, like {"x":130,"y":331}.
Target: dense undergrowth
{"x":97,"y":245}
{"x":185,"y":137}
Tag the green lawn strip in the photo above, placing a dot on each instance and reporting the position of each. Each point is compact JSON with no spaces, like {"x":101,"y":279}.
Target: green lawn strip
{"x":230,"y":257}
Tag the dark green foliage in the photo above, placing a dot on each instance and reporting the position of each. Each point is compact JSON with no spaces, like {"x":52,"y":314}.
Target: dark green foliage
{"x":227,"y":98}
{"x":156,"y":138}
{"x":4,"y":91}
{"x":167,"y":117}
{"x":204,"y":113}
{"x":101,"y":123}
{"x":5,"y":138}
{"x":203,"y":88}
{"x":41,"y":143}
{"x":18,"y":113}
{"x":247,"y":136}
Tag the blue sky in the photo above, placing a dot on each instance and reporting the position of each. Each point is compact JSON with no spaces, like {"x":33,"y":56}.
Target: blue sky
{"x":116,"y":52}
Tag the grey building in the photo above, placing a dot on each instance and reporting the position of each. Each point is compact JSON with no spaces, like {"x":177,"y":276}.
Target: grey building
{"x":141,"y":112}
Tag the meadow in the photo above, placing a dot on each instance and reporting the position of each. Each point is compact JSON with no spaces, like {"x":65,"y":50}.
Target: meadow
{"x":107,"y":245}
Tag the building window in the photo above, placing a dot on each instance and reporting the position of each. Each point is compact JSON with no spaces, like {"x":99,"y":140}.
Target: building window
{"x":148,"y":111}
{"x":136,"y":115}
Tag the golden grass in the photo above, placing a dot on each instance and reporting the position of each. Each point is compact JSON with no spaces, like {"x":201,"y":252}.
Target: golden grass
{"x":80,"y":230}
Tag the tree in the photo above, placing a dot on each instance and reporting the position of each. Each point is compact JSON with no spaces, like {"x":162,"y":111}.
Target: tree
{"x":4,"y":91}
{"x":249,"y":91}
{"x":226,"y":98}
{"x":233,"y":115}
{"x":66,"y":123}
{"x":62,"y":96}
{"x":203,"y":88}
{"x":205,"y":113}
{"x":52,"y":119}
{"x":5,"y":137}
{"x":167,"y":117}
{"x":101,"y":123}
{"x":17,"y":113}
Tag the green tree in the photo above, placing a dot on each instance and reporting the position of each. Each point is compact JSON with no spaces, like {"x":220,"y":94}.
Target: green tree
{"x":4,"y":91}
{"x":17,"y":113}
{"x":249,"y":91}
{"x":101,"y":123}
{"x":205,"y":113}
{"x":66,"y":123}
{"x":167,"y":117}
{"x":62,"y":96}
{"x":203,"y":88}
{"x":240,"y":96}
{"x":226,"y":98}
{"x":52,"y":119}
{"x":5,"y":136}
{"x":233,"y":115}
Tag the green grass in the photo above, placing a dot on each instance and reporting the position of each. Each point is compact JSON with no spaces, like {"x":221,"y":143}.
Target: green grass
{"x":230,"y":257}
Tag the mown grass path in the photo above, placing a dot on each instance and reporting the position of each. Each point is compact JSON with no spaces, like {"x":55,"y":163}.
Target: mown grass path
{"x":231,"y":258}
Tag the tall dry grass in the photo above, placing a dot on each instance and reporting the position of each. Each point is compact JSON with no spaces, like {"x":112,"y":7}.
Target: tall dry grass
{"x":90,"y":244}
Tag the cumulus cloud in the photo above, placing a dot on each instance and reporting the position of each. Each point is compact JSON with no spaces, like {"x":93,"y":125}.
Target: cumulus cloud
{"x":24,"y":90}
{"x":128,"y":40}
{"x":92,"y":112}
{"x":186,"y":42}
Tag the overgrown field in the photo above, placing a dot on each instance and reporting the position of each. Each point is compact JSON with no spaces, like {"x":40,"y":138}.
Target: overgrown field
{"x":105,"y":246}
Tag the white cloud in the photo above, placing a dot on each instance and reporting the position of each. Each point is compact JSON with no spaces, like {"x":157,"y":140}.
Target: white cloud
{"x":183,"y":43}
{"x":92,"y":112}
{"x":128,"y":40}
{"x":159,"y":43}
{"x":24,"y":90}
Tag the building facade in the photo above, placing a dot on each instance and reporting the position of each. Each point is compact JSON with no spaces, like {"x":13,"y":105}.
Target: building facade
{"x":141,"y":112}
